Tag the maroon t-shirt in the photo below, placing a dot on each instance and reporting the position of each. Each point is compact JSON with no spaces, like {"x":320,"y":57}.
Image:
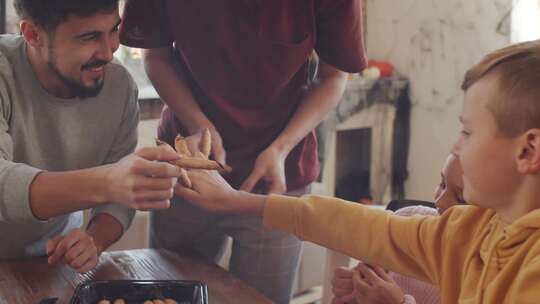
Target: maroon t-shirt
{"x":246,"y":62}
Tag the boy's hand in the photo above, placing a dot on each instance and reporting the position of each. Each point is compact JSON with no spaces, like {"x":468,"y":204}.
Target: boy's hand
{"x":212,"y":193}
{"x":373,"y":285}
{"x":143,"y":180}
{"x":77,"y":249}
{"x":209,"y":191}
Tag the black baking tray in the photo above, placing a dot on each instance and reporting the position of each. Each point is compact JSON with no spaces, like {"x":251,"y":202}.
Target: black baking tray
{"x":136,"y":292}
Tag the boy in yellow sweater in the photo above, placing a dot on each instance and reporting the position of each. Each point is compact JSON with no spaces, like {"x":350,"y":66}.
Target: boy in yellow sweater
{"x":485,"y":253}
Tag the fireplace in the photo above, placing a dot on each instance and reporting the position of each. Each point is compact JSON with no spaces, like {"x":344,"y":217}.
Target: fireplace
{"x":362,"y":143}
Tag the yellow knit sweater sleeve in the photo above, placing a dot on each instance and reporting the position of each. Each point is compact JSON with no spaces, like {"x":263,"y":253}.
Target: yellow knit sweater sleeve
{"x":411,"y":246}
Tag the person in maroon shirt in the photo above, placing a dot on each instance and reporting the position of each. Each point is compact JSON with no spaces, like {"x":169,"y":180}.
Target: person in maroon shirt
{"x":242,"y":69}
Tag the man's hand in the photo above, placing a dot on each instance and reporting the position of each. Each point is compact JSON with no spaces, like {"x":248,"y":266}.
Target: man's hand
{"x":77,"y":250}
{"x":217,"y":151}
{"x":212,"y":193}
{"x":143,"y":180}
{"x":269,"y":167}
{"x":374,"y":286}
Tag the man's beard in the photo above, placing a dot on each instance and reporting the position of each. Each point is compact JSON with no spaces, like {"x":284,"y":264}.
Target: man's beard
{"x":76,"y":88}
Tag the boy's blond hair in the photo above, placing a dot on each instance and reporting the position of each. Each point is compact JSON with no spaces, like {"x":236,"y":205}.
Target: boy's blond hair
{"x":517,"y":70}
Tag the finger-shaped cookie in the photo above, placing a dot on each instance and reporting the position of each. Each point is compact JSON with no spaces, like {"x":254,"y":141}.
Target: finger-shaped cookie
{"x":180,"y":145}
{"x":206,"y":143}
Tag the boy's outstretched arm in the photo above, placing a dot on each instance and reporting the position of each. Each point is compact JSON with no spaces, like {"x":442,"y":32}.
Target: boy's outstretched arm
{"x":408,"y":245}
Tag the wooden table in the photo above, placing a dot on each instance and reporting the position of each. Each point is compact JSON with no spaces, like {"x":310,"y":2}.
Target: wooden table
{"x":29,"y":281}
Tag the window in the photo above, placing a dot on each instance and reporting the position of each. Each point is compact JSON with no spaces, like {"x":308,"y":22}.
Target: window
{"x":2,"y":16}
{"x":525,"y":20}
{"x":8,"y":17}
{"x":131,"y":58}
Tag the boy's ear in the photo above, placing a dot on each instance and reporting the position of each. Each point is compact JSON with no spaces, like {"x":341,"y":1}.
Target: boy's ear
{"x":528,"y":161}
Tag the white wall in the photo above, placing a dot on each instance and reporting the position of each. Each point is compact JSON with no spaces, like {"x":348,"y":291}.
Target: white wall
{"x":433,"y":43}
